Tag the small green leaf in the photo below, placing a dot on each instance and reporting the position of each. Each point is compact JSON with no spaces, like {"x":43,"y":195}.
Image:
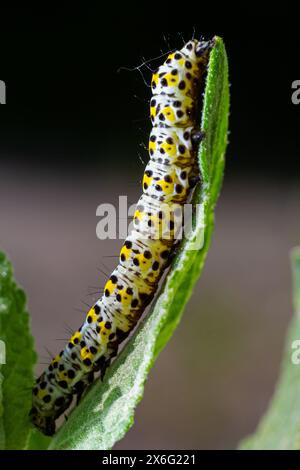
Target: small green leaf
{"x":17,"y":372}
{"x":107,"y":411}
{"x":280,"y":427}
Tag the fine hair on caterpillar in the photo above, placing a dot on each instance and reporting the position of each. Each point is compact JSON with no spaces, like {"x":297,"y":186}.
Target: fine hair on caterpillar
{"x":169,"y":178}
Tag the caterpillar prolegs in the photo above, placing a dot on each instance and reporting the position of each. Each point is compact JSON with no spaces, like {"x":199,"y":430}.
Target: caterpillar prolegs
{"x":168,"y":179}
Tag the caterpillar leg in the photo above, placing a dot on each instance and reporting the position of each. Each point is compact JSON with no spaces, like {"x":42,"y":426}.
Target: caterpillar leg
{"x":197,"y":137}
{"x":82,"y":386}
{"x":172,"y":255}
{"x":104,"y":368}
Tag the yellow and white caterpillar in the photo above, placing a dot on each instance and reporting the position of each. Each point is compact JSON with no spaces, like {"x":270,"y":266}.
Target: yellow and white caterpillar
{"x":168,"y":179}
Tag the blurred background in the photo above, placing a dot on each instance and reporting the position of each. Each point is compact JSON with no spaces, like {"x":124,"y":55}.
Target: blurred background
{"x":71,"y":135}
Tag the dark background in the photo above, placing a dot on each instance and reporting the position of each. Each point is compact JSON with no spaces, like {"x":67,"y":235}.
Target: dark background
{"x":61,"y":70}
{"x":70,"y":136}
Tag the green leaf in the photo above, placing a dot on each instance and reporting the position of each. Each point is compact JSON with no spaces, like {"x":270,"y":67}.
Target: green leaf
{"x":37,"y":440}
{"x":17,"y":372}
{"x":280,"y":427}
{"x":107,"y":411}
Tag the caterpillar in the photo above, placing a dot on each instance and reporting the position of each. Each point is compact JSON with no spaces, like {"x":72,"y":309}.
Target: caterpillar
{"x":169,"y":177}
